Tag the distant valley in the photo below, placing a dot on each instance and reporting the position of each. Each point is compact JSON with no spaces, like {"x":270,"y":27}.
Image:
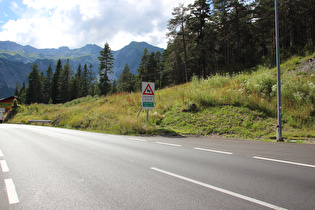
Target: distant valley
{"x":16,"y":60}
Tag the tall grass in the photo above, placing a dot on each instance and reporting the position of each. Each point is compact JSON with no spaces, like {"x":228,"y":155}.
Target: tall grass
{"x":239,"y":105}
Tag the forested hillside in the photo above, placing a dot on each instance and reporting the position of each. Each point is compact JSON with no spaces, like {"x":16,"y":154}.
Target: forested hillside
{"x":206,"y":38}
{"x":210,"y":37}
{"x":214,"y":36}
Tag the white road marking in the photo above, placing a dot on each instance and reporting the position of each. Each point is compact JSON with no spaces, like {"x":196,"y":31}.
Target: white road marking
{"x":137,"y":139}
{"x":237,"y":195}
{"x":211,"y":150}
{"x":1,"y":154}
{"x":4,"y":166}
{"x":283,"y":161}
{"x":12,"y":195}
{"x":168,"y":144}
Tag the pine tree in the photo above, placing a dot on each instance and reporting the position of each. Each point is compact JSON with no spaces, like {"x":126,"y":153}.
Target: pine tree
{"x":114,"y":87}
{"x":22,"y":93}
{"x":159,"y":69}
{"x":33,"y":90}
{"x":79,"y":80}
{"x":48,"y":84}
{"x":152,"y":68}
{"x":74,"y":88}
{"x":200,"y":11}
{"x":85,"y":81}
{"x":106,"y":64}
{"x":64,"y":83}
{"x":91,"y":81}
{"x":142,"y":70}
{"x":42,"y":85}
{"x":179,"y":19}
{"x":55,"y":83}
{"x":124,"y":80}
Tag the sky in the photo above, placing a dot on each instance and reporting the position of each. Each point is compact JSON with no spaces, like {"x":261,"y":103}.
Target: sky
{"x":75,"y":23}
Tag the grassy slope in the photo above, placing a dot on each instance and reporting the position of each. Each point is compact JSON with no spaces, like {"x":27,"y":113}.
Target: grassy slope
{"x":243,"y":105}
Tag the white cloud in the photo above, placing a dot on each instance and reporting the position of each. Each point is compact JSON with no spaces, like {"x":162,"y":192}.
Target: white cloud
{"x":75,"y":23}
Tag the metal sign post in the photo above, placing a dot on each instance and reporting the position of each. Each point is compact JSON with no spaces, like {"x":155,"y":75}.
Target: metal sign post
{"x":279,"y":126}
{"x":148,"y":98}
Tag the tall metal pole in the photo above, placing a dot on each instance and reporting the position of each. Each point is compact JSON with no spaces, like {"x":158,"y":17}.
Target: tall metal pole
{"x":279,"y":126}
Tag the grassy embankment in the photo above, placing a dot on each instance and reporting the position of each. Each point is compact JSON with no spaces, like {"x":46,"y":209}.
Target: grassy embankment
{"x":242,"y":105}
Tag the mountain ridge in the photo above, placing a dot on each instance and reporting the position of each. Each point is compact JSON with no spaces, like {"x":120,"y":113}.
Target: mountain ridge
{"x":17,"y":59}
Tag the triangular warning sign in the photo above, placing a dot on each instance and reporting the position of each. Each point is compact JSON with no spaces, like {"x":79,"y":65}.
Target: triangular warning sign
{"x":148,"y":91}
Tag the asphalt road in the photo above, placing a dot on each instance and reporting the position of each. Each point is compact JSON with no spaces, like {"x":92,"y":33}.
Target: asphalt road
{"x":51,"y":168}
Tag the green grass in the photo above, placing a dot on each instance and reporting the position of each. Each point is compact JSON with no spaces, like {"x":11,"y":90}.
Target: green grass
{"x":242,"y":105}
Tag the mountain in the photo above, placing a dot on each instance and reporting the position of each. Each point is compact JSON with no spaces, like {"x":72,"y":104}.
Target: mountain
{"x":10,"y":73}
{"x":131,"y":55}
{"x":16,"y":60}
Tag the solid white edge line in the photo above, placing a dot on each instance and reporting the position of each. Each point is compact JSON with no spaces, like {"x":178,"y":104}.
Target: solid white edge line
{"x":168,"y":144}
{"x":4,"y":166}
{"x":137,"y":139}
{"x":283,"y":161}
{"x":216,"y":151}
{"x":253,"y":200}
{"x":1,"y":154}
{"x":12,"y":195}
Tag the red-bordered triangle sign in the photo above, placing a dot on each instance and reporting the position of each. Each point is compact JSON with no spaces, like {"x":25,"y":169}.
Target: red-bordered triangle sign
{"x":148,"y":91}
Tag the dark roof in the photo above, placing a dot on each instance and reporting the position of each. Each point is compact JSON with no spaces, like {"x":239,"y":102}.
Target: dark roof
{"x":8,"y":98}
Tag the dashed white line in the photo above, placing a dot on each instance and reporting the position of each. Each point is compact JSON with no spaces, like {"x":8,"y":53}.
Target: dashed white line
{"x":135,"y":139}
{"x":168,"y":144}
{"x":283,"y":161}
{"x":211,"y":150}
{"x":4,"y":166}
{"x":1,"y":154}
{"x":237,"y":195}
{"x":12,"y":195}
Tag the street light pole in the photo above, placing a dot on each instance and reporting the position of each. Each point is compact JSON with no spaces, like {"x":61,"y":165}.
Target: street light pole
{"x":279,"y":126}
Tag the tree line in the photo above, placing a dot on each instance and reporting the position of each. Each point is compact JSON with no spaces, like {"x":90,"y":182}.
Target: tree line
{"x":57,"y":86}
{"x":225,"y":36}
{"x":63,"y":84}
{"x":205,"y":38}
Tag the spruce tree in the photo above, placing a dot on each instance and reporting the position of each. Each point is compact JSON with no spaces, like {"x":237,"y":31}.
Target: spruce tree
{"x":55,"y":83}
{"x":48,"y":84}
{"x":79,"y":81}
{"x":114,"y":87}
{"x":91,"y":80}
{"x":106,"y":64}
{"x":33,"y":90}
{"x":85,"y":81}
{"x":124,"y":80}
{"x":64,"y":83}
{"x":142,"y":70}
{"x":22,"y":93}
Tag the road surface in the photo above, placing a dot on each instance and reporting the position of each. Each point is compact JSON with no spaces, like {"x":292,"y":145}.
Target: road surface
{"x":52,"y":168}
